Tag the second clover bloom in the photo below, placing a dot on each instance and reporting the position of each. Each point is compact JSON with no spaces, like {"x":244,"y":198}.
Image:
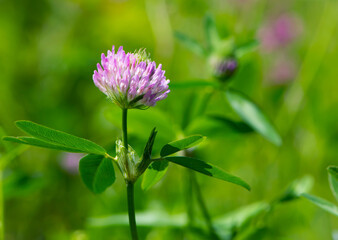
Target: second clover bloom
{"x":131,"y":80}
{"x":223,"y":68}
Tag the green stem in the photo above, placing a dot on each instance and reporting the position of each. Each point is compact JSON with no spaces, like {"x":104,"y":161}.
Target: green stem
{"x":131,"y":210}
{"x":203,"y":207}
{"x":1,"y":208}
{"x":130,"y":184}
{"x":189,"y":198}
{"x":125,"y":140}
{"x":205,"y":101}
{"x":124,"y":128}
{"x":192,"y":184}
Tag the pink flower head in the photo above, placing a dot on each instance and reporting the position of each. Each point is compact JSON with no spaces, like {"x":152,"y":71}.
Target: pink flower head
{"x":70,"y":162}
{"x":280,"y":32}
{"x":131,"y":80}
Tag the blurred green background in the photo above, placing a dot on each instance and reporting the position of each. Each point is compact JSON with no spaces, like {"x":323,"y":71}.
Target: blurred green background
{"x":49,"y":50}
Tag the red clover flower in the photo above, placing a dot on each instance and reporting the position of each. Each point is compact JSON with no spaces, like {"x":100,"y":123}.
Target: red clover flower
{"x":131,"y":80}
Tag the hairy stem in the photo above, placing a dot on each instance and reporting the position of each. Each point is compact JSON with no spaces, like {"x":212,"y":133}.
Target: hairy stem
{"x":131,"y":210}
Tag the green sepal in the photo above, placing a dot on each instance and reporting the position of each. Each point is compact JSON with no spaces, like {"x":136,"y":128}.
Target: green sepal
{"x":149,"y":146}
{"x":146,"y":156}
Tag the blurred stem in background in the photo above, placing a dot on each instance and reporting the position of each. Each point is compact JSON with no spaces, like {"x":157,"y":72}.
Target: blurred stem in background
{"x":206,"y":98}
{"x":130,"y":185}
{"x":192,"y":183}
{"x":203,"y":207}
{"x":1,"y":208}
{"x":189,"y":199}
{"x":159,"y":21}
{"x":194,"y":187}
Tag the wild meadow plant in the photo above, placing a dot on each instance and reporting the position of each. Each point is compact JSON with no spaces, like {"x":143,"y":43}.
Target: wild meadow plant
{"x":223,"y":57}
{"x":131,"y":81}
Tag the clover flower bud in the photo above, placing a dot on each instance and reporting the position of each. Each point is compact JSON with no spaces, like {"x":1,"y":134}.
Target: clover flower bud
{"x":131,"y":80}
{"x":127,"y":162}
{"x":225,"y":68}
